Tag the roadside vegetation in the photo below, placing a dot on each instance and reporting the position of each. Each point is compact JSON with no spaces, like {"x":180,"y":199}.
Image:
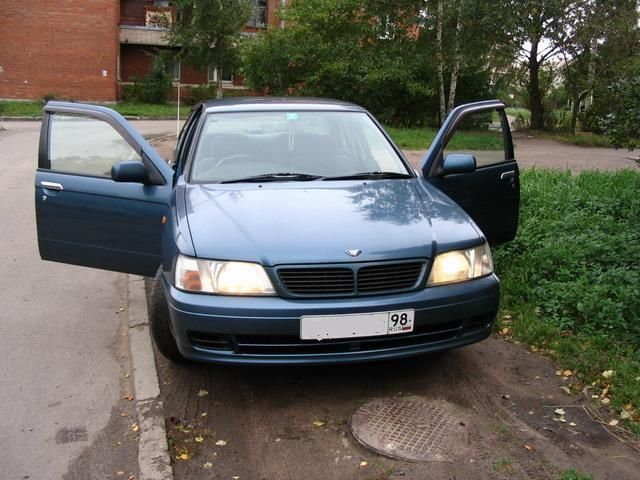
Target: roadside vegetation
{"x":570,"y":283}
{"x":421,"y":138}
{"x":132,"y":109}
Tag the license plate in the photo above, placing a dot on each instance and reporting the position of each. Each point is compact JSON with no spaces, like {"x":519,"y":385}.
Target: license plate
{"x":324,"y":327}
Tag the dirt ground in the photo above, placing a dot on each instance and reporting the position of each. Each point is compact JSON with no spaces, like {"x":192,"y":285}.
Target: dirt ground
{"x":258,"y":422}
{"x":506,"y":396}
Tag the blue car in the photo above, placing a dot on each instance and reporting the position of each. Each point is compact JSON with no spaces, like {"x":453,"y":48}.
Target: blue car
{"x":287,"y":230}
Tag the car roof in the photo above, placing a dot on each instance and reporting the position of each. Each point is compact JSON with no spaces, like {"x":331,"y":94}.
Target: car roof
{"x":253,"y":104}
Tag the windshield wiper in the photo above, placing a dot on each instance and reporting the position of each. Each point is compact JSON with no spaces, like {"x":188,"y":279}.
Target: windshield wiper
{"x":275,"y":177}
{"x":369,"y":175}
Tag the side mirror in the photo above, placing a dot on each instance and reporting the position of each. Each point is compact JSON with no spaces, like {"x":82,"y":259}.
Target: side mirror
{"x":129,"y":171}
{"x":459,"y":163}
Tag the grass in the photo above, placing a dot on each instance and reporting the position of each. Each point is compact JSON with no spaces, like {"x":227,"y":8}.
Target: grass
{"x":515,"y":111}
{"x":503,"y":466}
{"x":570,"y":280}
{"x":421,"y":138}
{"x":582,"y":139}
{"x":572,"y":474}
{"x":10,"y":108}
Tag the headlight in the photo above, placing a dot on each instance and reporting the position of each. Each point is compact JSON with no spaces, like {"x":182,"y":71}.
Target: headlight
{"x":461,"y":265}
{"x":225,"y":278}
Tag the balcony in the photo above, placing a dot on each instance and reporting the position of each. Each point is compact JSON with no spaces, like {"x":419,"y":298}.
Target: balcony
{"x":157,"y":20}
{"x":159,"y":17}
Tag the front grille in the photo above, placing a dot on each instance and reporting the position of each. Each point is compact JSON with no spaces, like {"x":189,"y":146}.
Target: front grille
{"x":389,"y":277}
{"x":317,"y":281}
{"x":289,"y":344}
{"x":355,"y":279}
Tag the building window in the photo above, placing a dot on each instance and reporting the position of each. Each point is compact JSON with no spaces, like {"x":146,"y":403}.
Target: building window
{"x":212,"y":76}
{"x":175,"y":71}
{"x":259,"y":14}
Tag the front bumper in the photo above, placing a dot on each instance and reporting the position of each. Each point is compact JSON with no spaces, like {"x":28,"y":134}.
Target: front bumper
{"x":266,"y":330}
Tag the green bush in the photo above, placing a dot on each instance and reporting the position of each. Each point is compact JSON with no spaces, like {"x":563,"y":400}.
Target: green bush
{"x":154,"y":87}
{"x":572,"y":273}
{"x":200,"y":93}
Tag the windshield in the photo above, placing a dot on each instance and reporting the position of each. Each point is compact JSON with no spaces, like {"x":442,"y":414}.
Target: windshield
{"x":291,"y":145}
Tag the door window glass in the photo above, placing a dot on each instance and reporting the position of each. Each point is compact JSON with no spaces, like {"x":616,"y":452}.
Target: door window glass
{"x":481,"y":135}
{"x":86,"y":146}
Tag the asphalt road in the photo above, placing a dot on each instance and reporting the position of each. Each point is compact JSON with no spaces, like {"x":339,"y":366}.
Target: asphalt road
{"x":65,"y":366}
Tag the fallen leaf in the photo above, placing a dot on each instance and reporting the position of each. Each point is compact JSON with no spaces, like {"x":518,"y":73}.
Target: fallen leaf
{"x":528,"y":447}
{"x":318,"y":423}
{"x":235,"y":477}
{"x":199,"y":439}
{"x":572,"y":424}
{"x":605,"y":401}
{"x":559,"y":411}
{"x":567,"y":373}
{"x":506,"y":317}
{"x":533,"y":348}
{"x":614,"y":422}
{"x":530,"y":412}
{"x":566,"y":390}
{"x":119,"y":472}
{"x":625,"y":415}
{"x":506,"y":331}
{"x":628,"y":407}
{"x":203,"y":414}
{"x":221,"y":443}
{"x":184,"y":456}
{"x":207,"y":465}
{"x":559,"y":373}
{"x":607,"y":374}
{"x":128,"y":397}
{"x":363,"y":463}
{"x":506,"y":396}
{"x":124,"y":414}
{"x":135,"y":427}
{"x":202,"y":393}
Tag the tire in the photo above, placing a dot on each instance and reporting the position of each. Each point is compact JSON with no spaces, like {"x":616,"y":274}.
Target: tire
{"x":159,"y":322}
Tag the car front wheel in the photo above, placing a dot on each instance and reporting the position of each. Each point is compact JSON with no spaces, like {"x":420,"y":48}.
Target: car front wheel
{"x":159,"y":321}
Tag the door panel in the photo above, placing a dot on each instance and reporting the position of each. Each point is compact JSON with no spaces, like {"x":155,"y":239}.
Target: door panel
{"x":85,"y":218}
{"x":491,"y":193}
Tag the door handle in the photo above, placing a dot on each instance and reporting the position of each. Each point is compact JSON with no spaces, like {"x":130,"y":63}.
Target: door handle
{"x":507,"y":175}
{"x":52,"y":186}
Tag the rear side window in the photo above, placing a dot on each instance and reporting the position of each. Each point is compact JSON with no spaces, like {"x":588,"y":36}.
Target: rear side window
{"x":86,"y":146}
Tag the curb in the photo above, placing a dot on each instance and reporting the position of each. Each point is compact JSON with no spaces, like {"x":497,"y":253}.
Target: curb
{"x":153,"y":453}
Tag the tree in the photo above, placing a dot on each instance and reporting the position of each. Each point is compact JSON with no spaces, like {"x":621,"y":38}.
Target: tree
{"x":622,"y":124}
{"x":345,"y":49}
{"x":461,"y":36}
{"x":207,"y":33}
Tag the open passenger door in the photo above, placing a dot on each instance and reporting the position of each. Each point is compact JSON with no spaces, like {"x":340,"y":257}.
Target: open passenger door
{"x":101,"y":191}
{"x":472,"y":161}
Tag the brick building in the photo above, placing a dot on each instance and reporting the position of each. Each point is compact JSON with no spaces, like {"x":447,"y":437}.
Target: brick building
{"x":88,"y":50}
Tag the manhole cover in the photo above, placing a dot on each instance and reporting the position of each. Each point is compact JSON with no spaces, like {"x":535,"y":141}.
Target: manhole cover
{"x":411,"y":428}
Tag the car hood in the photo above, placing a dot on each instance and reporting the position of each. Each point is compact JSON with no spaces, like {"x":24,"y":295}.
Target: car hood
{"x":316,"y":222}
